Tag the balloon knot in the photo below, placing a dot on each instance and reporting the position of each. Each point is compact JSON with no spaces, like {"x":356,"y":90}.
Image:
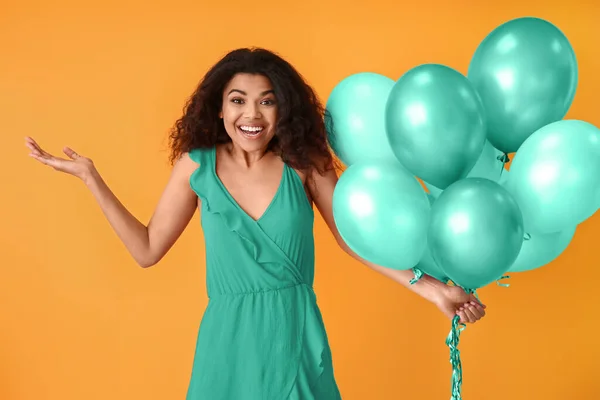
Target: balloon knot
{"x":470,"y":291}
{"x":503,"y":284}
{"x":473,"y":292}
{"x":418,"y":274}
{"x":504,"y":158}
{"x":527,"y":236}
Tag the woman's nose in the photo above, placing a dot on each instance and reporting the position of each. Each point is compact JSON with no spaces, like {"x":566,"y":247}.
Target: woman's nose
{"x":252,"y":111}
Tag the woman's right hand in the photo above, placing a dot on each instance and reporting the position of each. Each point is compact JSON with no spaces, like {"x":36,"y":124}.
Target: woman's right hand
{"x":77,"y":165}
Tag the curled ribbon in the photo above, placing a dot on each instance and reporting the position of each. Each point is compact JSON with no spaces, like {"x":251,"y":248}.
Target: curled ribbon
{"x":418,"y":274}
{"x":452,"y":343}
{"x":503,"y":284}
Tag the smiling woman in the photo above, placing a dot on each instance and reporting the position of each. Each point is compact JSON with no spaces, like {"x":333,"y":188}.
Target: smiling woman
{"x":253,"y":87}
{"x":258,"y":227}
{"x":252,"y":115}
{"x":251,"y":152}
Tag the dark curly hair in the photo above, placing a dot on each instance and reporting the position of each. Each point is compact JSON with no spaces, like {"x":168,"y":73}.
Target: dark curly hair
{"x":300,"y":132}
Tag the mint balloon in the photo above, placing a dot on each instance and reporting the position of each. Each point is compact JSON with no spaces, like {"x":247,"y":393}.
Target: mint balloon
{"x":356,"y":118}
{"x":427,"y":263}
{"x":555,"y":176}
{"x":475,"y":232}
{"x":489,"y":165}
{"x":526,"y":73}
{"x":435,"y":124}
{"x":541,"y":249}
{"x":382,"y":213}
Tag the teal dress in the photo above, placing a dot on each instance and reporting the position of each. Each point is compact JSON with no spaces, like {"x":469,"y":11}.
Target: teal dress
{"x":262,"y":335}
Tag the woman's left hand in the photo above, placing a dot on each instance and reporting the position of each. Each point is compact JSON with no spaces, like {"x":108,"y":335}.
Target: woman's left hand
{"x":453,"y":300}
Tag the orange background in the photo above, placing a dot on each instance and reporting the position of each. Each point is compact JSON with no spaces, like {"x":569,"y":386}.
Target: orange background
{"x":78,"y":318}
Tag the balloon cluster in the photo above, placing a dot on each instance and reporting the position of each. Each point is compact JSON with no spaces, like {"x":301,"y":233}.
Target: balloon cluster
{"x":470,"y":220}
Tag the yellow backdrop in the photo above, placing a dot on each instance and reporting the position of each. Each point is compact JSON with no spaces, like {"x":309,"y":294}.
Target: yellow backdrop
{"x":79,"y":320}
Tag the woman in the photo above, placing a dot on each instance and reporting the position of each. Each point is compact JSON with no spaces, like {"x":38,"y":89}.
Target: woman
{"x":251,"y":153}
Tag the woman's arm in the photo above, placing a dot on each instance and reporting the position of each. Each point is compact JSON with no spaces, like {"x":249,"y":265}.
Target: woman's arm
{"x":146,"y":244}
{"x":175,"y":208}
{"x":450,"y":299}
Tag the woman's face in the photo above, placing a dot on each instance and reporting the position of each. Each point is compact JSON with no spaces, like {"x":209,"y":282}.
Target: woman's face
{"x":249,"y":111}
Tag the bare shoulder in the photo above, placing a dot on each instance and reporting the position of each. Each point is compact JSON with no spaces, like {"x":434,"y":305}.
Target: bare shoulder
{"x":318,"y":180}
{"x":187,"y":161}
{"x":302,"y":174}
{"x":181,"y":172}
{"x":184,"y":166}
{"x":321,"y":181}
{"x":179,"y":182}
{"x":305,"y":177}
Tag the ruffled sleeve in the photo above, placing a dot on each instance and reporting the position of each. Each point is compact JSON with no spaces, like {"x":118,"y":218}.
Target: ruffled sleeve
{"x":197,"y":154}
{"x":197,"y":179}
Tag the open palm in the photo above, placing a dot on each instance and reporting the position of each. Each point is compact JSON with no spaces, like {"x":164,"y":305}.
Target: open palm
{"x":75,"y":165}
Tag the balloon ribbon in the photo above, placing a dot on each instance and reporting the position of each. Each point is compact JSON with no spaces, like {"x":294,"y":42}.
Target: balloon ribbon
{"x":504,"y":159}
{"x":452,"y":343}
{"x":418,"y":275}
{"x":503,"y":284}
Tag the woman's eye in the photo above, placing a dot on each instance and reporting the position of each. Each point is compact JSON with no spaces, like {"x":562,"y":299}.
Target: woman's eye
{"x":267,"y":102}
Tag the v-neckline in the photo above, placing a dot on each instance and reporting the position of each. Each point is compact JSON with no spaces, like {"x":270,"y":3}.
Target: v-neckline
{"x":235,"y":202}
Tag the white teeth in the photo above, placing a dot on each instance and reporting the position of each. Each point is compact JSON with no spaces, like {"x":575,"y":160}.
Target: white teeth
{"x":251,"y":129}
